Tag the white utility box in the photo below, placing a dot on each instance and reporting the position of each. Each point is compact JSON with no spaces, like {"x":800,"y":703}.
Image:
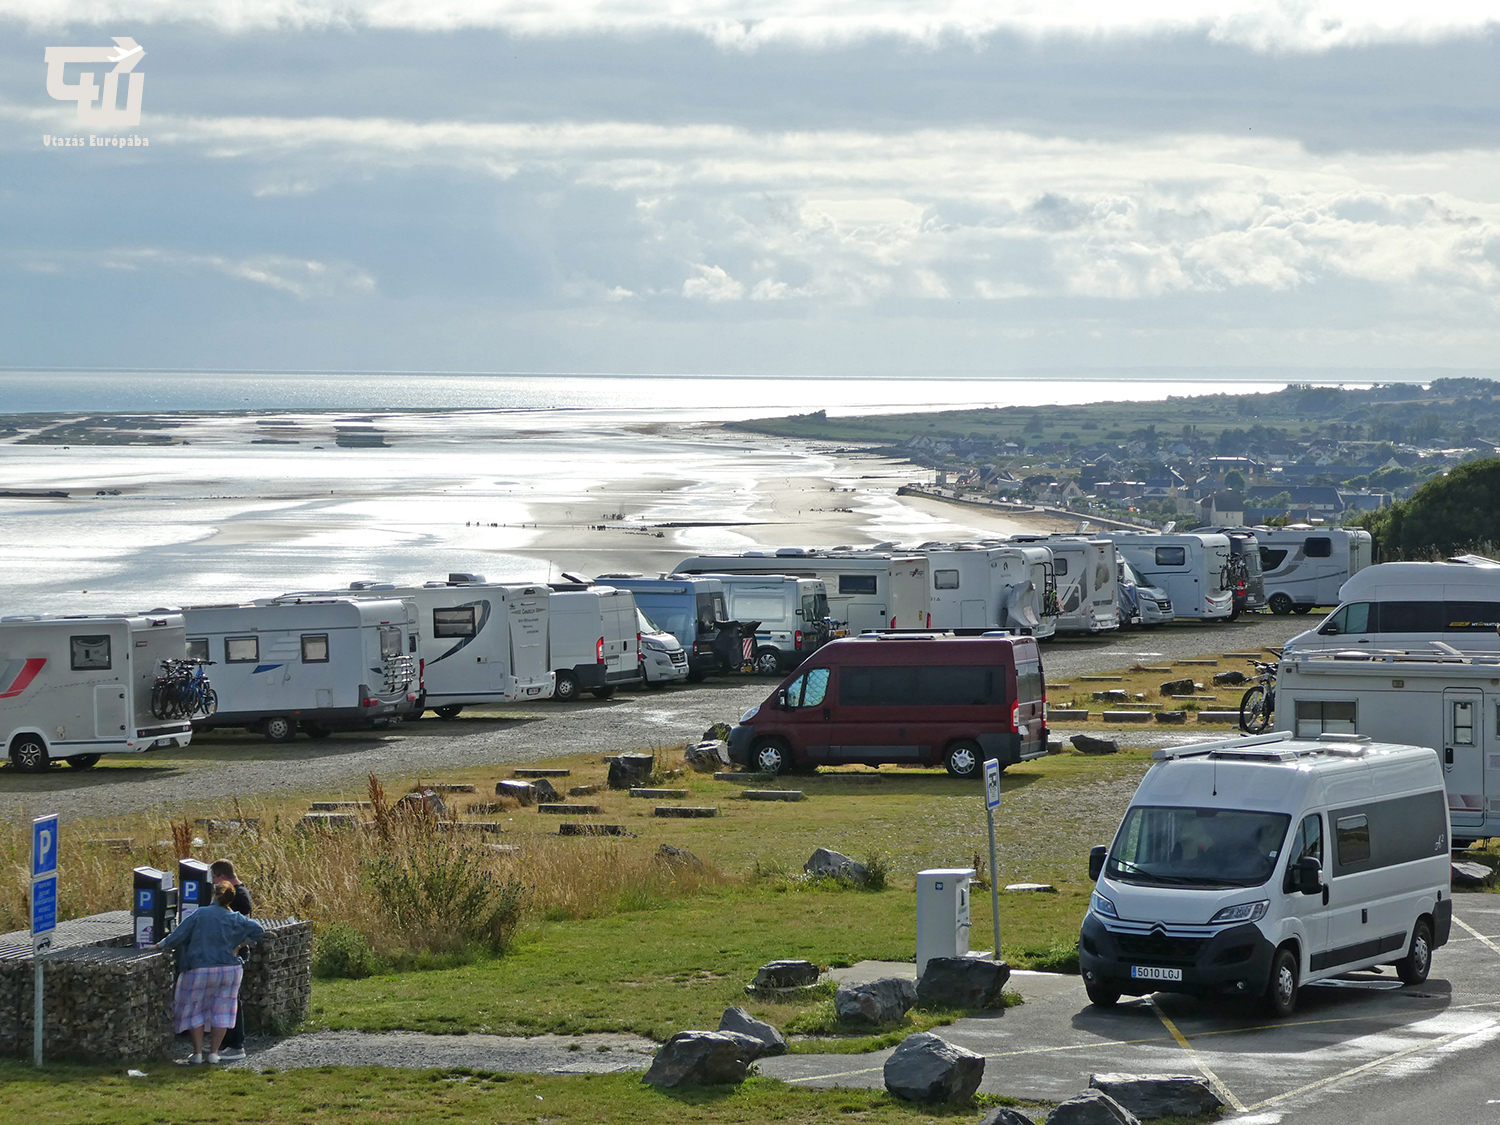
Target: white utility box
{"x":942,"y":913}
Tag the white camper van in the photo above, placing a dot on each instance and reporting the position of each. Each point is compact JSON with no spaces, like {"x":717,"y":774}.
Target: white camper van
{"x":1448,"y":702}
{"x":868,"y":591}
{"x":793,"y":615}
{"x":1192,"y":567}
{"x":1304,"y":566}
{"x":975,"y":587}
{"x":1414,"y":605}
{"x":1140,"y":602}
{"x":593,"y":641}
{"x":1255,"y":866}
{"x":315,"y":664}
{"x":1088,"y":582}
{"x":73,"y":688}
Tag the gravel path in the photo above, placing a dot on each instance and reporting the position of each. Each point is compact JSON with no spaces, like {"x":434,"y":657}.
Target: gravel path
{"x":540,"y":1054}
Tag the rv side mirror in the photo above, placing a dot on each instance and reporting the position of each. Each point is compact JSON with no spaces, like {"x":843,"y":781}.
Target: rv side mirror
{"x":1329,"y":630}
{"x":1097,"y":856}
{"x":781,"y":699}
{"x":1307,"y":875}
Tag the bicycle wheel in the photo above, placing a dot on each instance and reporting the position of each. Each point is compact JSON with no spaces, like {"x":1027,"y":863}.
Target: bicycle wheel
{"x":1254,"y":717}
{"x":210,"y":701}
{"x":158,"y":700}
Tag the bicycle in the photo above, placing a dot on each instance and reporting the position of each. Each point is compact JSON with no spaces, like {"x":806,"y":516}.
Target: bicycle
{"x":1259,"y":702}
{"x":182,"y":691}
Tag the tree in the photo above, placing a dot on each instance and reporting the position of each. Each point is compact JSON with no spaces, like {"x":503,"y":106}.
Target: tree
{"x":1444,"y":516}
{"x":1234,"y":480}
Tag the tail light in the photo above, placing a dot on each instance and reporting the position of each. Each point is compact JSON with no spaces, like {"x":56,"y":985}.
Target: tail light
{"x":797,"y":638}
{"x":929,"y":621}
{"x":1015,"y":715}
{"x":422,"y":672}
{"x":893,"y":623}
{"x":370,"y":701}
{"x":599,"y":652}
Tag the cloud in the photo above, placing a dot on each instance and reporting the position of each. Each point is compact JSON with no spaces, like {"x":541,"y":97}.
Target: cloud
{"x":301,"y":278}
{"x":712,"y":284}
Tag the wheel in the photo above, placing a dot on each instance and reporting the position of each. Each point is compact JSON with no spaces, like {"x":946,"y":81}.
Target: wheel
{"x":1280,"y":604}
{"x":448,"y":710}
{"x":83,"y":761}
{"x":601,"y":692}
{"x":566,"y":690}
{"x":312,"y":730}
{"x":697,"y":675}
{"x":963,"y":759}
{"x":210,"y":702}
{"x":1102,"y":995}
{"x":1281,"y":990}
{"x":279,"y":728}
{"x":1255,"y":716}
{"x":771,"y":756}
{"x":1234,"y":613}
{"x":1302,"y":608}
{"x":28,"y":754}
{"x":1414,"y":967}
{"x":767,"y":661}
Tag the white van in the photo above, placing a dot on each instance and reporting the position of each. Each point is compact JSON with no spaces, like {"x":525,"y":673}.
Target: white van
{"x":1192,"y":567}
{"x":663,"y":659}
{"x":1414,"y":605}
{"x":1140,"y":602}
{"x":73,"y":688}
{"x":1304,"y":566}
{"x":593,"y":642}
{"x":315,"y":664}
{"x":1088,"y":584}
{"x":977,"y":587}
{"x":1254,"y":866}
{"x":793,"y":615}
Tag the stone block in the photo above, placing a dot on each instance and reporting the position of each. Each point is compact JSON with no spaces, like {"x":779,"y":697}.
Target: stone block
{"x":1127,"y":716}
{"x":685,"y":812}
{"x":540,"y":771}
{"x":700,"y":1058}
{"x":1113,"y":695}
{"x":1231,"y":678}
{"x":584,"y":790}
{"x":1173,"y":717}
{"x":1086,"y":744}
{"x":1177,"y":687}
{"x":563,"y":809}
{"x":659,"y":794}
{"x":741,"y":1022}
{"x":327,"y":822}
{"x":1218,"y":716}
{"x":878,"y":1002}
{"x":925,"y":1068}
{"x":966,"y":983}
{"x":785,"y":974}
{"x":1068,"y":714}
{"x":568,"y":829}
{"x":630,"y":771}
{"x":772,"y":795}
{"x":1150,"y":1096}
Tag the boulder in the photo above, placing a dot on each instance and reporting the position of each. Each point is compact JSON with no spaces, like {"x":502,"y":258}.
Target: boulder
{"x":700,"y":1058}
{"x":1469,"y":875}
{"x":719,"y":732}
{"x":1150,"y":1096}
{"x":426,"y":802}
{"x":826,"y":862}
{"x":1176,"y":687}
{"x":1092,"y":1107}
{"x":630,"y":771}
{"x":545,"y":791}
{"x":1085,"y":744}
{"x":878,"y":1002}
{"x":925,"y":1068}
{"x":678,"y":857}
{"x":785,"y":974}
{"x":517,"y":790}
{"x":1004,"y":1115}
{"x":1113,"y":695}
{"x":708,"y":757}
{"x":968,"y":983}
{"x":1231,"y":678}
{"x":741,"y":1022}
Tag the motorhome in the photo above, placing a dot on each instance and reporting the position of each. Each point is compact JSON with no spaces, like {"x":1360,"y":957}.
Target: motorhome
{"x":481,"y":643}
{"x":1306,"y":566}
{"x":917,"y":700}
{"x":689,"y":606}
{"x":311,"y":664}
{"x":1247,"y":580}
{"x":792,"y":616}
{"x":1447,"y":701}
{"x":974,"y":588}
{"x":1414,"y":605}
{"x":73,"y":688}
{"x":1088,"y":584}
{"x":1192,"y":567}
{"x":1253,"y":867}
{"x":868,"y":591}
{"x":1141,"y":603}
{"x":593,"y":641}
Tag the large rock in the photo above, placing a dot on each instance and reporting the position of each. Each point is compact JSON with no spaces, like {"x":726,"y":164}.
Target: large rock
{"x":1150,"y":1096}
{"x":708,"y":757}
{"x":1085,"y":744}
{"x":1092,"y":1107}
{"x":701,"y":1058}
{"x":1231,"y":678}
{"x":678,"y":857}
{"x":826,"y":862}
{"x":878,"y":1002}
{"x":1468,"y":875}
{"x":630,"y":771}
{"x":925,"y":1068}
{"x":741,"y":1022}
{"x":969,"y":983}
{"x":1004,"y":1115}
{"x":1112,"y":695}
{"x":1176,"y":687}
{"x":425,"y":803}
{"x":785,"y":974}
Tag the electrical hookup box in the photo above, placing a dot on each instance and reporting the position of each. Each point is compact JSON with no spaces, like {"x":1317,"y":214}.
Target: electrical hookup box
{"x":943,"y":914}
{"x":154,"y":905}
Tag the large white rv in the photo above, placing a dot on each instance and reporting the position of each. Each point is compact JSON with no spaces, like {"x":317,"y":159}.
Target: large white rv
{"x":793,"y":615}
{"x":868,"y":591}
{"x":315,"y":664}
{"x":1304,"y":566}
{"x":1448,"y":702}
{"x":1192,"y":567}
{"x":1088,"y":581}
{"x":974,"y":587}
{"x":73,"y":688}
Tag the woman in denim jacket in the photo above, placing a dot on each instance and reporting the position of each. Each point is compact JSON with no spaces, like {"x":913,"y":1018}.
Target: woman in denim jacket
{"x":209,"y":985}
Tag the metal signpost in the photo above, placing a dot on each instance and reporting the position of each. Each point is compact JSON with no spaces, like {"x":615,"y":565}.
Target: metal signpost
{"x":43,"y":911}
{"x":991,"y":803}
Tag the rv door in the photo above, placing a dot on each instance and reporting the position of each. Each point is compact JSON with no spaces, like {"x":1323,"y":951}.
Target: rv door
{"x":1463,"y":755}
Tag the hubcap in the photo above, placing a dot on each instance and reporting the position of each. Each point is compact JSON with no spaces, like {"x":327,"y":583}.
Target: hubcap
{"x":769,"y":760}
{"x":963,"y":761}
{"x":1284,"y":986}
{"x":1419,"y":955}
{"x":28,"y":755}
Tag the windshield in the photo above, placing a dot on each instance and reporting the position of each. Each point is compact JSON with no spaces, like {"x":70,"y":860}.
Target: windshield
{"x":645,"y":623}
{"x":1175,"y":846}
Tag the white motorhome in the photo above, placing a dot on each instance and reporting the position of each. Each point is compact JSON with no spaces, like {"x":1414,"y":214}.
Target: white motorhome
{"x":977,"y":587}
{"x":73,"y":688}
{"x":1304,"y":566}
{"x":1414,"y":605}
{"x":1448,"y":701}
{"x":868,"y":591}
{"x":593,"y":640}
{"x":793,"y":616}
{"x":1088,"y":581}
{"x":314,"y":664}
{"x":1252,"y":867}
{"x":1192,"y":567}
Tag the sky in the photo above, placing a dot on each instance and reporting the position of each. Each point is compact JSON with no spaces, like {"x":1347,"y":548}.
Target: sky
{"x":836,"y":187}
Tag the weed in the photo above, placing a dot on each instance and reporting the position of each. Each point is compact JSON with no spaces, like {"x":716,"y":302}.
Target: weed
{"x":342,"y":951}
{"x":442,"y":898}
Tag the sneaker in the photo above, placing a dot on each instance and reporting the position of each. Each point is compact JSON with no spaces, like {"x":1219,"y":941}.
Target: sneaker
{"x":230,"y":1054}
{"x":194,"y":1060}
{"x":213,"y":1059}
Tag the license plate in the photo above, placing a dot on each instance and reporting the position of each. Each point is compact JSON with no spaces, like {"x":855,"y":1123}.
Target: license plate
{"x":1151,"y":972}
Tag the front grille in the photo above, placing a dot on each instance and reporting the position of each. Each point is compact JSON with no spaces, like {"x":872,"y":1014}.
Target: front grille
{"x":1158,"y":949}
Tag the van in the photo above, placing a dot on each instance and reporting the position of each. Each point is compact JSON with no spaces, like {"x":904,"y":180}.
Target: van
{"x":915,"y":700}
{"x":663,"y":660}
{"x":73,"y":688}
{"x":1192,"y":567}
{"x":688,"y":606}
{"x":593,"y":641}
{"x":985,"y":586}
{"x":1251,"y":867}
{"x":792,"y":615}
{"x":1305,"y":566}
{"x":1140,"y":602}
{"x":1408,"y":605}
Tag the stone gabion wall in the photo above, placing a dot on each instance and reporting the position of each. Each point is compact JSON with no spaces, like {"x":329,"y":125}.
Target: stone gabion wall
{"x":278,"y":978}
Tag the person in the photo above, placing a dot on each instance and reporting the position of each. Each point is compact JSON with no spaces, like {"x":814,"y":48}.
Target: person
{"x":208,"y":986}
{"x":222,"y":871}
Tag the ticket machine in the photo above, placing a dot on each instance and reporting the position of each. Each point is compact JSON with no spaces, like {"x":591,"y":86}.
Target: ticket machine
{"x":154,"y":906}
{"x":195,"y":888}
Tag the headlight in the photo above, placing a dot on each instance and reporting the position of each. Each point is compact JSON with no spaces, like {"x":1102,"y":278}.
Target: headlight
{"x":750,"y":714}
{"x":653,"y":646}
{"x":1102,"y":906}
{"x":1245,"y":912}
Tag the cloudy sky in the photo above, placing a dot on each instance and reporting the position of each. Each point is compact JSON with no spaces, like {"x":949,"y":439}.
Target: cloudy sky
{"x":825,"y":186}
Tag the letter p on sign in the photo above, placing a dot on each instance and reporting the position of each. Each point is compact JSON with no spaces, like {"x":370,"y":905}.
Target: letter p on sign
{"x":44,"y":846}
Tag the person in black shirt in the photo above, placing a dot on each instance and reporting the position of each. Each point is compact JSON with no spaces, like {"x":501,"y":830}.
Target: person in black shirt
{"x":222,"y":871}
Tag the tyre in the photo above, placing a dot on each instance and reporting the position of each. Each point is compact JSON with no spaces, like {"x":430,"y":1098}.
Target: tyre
{"x":964,"y":759}
{"x":1102,"y":995}
{"x":1234,"y":613}
{"x":767,"y":661}
{"x":1302,"y":608}
{"x":566,"y":690}
{"x":1255,"y":716}
{"x":279,"y":728}
{"x":28,"y":754}
{"x":1281,"y":990}
{"x":83,"y":761}
{"x":448,"y":710}
{"x":601,"y":692}
{"x":770,"y":755}
{"x":1280,"y":604}
{"x":697,"y":675}
{"x":1414,"y":967}
{"x":210,"y":702}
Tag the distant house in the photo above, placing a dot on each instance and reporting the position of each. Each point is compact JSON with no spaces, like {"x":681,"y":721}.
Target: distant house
{"x":1322,"y":501}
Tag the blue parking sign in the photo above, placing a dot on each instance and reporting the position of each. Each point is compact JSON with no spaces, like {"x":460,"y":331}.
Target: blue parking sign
{"x":44,"y":846}
{"x":43,"y":906}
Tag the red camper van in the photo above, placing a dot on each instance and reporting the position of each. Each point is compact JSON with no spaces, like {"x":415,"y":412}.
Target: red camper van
{"x":920,"y":700}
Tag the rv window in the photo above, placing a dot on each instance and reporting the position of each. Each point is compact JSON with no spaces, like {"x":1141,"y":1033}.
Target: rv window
{"x":808,"y":690}
{"x":1171,"y":556}
{"x":390,"y":643}
{"x":198,"y":649}
{"x":710,"y":611}
{"x":856,"y":583}
{"x":1463,"y":723}
{"x":820,"y":606}
{"x":1411,"y":617}
{"x":1029,"y":683}
{"x":1059,"y":565}
{"x":241,"y":650}
{"x":1472,"y":616}
{"x":924,"y":686}
{"x":90,"y":654}
{"x":1319,"y":548}
{"x":945,"y":580}
{"x":1352,"y":837}
{"x":1325,"y":716}
{"x":1353,"y":618}
{"x":411,"y":642}
{"x":809,"y":609}
{"x":455,"y":621}
{"x":760,"y":607}
{"x":1272,"y":557}
{"x":315,"y":648}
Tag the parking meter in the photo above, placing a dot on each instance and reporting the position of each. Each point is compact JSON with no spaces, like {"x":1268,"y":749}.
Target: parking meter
{"x":195,"y":888}
{"x":154,"y":905}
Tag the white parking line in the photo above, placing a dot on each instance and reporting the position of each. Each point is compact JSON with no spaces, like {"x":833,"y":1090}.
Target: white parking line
{"x":1457,"y":921}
